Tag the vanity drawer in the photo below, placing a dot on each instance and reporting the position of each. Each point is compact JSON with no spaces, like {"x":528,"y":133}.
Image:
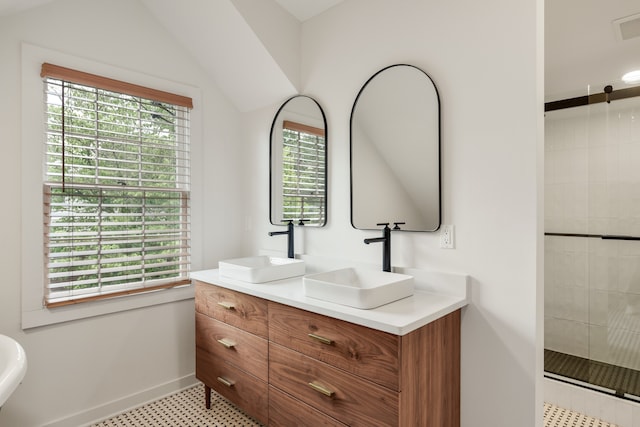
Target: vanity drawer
{"x":235,"y":308}
{"x":366,"y":352}
{"x":241,"y":388}
{"x":345,"y":397}
{"x":242,"y":349}
{"x":286,"y":411}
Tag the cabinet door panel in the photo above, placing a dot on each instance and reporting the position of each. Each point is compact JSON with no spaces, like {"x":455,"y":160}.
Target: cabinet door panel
{"x":287,"y":411}
{"x":242,"y":349}
{"x":366,"y":352}
{"x":345,"y":397}
{"x":241,"y":388}
{"x":235,"y":308}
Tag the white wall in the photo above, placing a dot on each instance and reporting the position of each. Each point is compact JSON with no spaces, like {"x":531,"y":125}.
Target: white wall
{"x":81,"y":365}
{"x":483,"y":58}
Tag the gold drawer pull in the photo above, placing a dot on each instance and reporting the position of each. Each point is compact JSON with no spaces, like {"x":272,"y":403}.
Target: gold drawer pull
{"x":226,"y":382}
{"x":323,"y":340}
{"x":321,"y":389}
{"x":227,"y":342}
{"x":227,"y":305}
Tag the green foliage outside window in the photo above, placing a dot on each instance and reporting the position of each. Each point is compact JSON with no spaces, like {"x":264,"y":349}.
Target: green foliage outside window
{"x":116,"y":190}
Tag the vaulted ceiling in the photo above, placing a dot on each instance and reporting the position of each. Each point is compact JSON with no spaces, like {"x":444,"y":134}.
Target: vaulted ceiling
{"x":234,"y":42}
{"x":226,"y":46}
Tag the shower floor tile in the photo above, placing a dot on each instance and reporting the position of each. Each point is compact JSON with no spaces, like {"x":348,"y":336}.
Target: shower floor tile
{"x":616,"y":378}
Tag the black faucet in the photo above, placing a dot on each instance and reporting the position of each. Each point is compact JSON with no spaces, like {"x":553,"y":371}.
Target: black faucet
{"x":289,"y":234}
{"x":386,"y":245}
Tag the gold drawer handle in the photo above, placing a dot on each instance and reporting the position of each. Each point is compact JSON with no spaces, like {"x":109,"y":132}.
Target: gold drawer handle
{"x":321,"y":389}
{"x":227,"y":342}
{"x":226,"y":382}
{"x":323,"y":340}
{"x":227,"y":305}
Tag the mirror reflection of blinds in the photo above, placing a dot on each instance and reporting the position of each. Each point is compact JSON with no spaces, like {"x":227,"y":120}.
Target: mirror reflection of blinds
{"x":116,"y":190}
{"x":303,"y":182}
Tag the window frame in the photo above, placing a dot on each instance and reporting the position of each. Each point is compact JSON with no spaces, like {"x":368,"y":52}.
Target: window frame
{"x":34,"y":313}
{"x":110,"y":166}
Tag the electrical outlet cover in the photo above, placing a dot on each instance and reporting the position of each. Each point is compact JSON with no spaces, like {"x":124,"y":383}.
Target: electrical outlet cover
{"x":446,"y":237}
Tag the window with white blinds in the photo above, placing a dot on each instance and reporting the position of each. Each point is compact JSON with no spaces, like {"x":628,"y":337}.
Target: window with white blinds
{"x":303,"y":175}
{"x":116,"y":188}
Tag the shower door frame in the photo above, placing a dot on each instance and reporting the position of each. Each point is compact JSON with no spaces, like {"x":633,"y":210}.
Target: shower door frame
{"x":607,"y":96}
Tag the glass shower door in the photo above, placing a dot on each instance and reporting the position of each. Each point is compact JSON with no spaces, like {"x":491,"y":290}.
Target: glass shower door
{"x":592,"y":245}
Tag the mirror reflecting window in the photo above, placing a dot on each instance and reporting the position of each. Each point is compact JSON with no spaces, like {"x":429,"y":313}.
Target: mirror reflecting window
{"x":395,"y":151}
{"x":298,"y":163}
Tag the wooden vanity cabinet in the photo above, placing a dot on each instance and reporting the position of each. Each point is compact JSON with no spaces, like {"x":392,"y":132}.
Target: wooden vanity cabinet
{"x":322,"y":371}
{"x":367,"y":377}
{"x":232,"y":348}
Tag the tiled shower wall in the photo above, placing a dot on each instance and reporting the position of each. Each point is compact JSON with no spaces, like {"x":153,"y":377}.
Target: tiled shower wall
{"x":592,"y":186}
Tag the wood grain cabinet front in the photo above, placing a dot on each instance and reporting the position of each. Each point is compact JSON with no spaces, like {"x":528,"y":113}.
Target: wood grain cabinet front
{"x":290,"y":367}
{"x":286,"y":411}
{"x":234,"y":308}
{"x":241,"y":388}
{"x":339,"y":394}
{"x":237,"y":347}
{"x":363,"y":351}
{"x":232,"y":351}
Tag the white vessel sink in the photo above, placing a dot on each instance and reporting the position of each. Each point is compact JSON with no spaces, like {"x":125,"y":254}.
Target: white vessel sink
{"x":13,"y":366}
{"x":359,"y":288}
{"x":259,"y":269}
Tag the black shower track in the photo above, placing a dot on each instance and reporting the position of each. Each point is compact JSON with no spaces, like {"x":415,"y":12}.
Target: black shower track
{"x":592,"y":99}
{"x":595,"y":236}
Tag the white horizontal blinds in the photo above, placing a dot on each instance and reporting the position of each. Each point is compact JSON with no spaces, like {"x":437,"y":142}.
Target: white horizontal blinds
{"x":106,"y":240}
{"x":303,"y":181}
{"x":116,"y":192}
{"x":114,"y":139}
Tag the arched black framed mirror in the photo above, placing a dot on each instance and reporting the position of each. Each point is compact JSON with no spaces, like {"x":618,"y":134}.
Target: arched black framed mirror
{"x":298,"y":163}
{"x":395,"y":151}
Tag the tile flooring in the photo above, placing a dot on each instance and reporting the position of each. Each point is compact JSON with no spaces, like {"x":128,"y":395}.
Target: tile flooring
{"x":186,"y":409}
{"x":183,"y":409}
{"x":555,"y":416}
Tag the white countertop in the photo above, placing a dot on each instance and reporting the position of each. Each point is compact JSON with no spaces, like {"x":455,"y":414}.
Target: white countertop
{"x":436,"y":295}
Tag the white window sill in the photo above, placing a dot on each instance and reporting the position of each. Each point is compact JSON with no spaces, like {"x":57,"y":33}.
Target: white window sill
{"x":45,"y":316}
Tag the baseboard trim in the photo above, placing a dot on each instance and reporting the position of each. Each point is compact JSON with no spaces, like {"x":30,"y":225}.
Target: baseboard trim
{"x":115,"y":407}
